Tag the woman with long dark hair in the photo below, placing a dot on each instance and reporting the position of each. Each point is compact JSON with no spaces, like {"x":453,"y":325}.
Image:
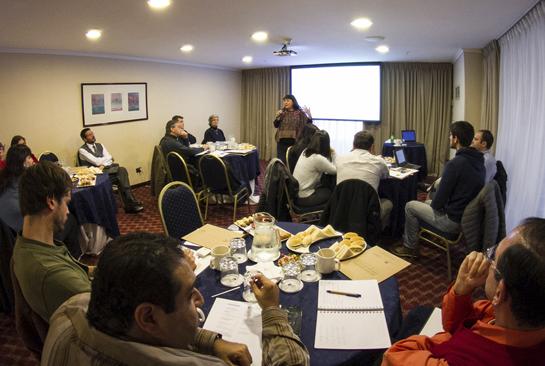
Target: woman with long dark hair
{"x":289,"y":121}
{"x":301,"y":143}
{"x":18,"y":159}
{"x":20,"y":140}
{"x":317,"y":159}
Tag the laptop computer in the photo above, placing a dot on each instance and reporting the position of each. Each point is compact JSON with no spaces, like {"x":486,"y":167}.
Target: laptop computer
{"x":409,"y":136}
{"x":401,"y":161}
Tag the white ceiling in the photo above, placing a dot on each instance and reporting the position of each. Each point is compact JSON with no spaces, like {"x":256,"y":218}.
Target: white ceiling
{"x":220,"y":30}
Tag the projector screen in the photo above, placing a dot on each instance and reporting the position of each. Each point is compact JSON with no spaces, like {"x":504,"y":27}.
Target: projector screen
{"x":349,"y":92}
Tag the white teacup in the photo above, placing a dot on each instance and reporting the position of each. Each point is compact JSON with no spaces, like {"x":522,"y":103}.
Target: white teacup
{"x":397,"y":142}
{"x":327,"y":262}
{"x":217,"y":253}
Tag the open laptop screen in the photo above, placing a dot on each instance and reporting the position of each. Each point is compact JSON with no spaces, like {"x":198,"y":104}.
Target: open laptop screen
{"x":408,"y":135}
{"x":400,"y":156}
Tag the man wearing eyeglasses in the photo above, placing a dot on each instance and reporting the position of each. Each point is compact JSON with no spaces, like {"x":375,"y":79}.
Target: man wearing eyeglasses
{"x":506,"y":329}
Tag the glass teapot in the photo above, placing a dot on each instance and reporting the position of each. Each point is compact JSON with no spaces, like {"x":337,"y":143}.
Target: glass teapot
{"x":266,"y":243}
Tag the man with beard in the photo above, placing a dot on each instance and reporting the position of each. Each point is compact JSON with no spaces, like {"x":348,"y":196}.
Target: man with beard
{"x":47,"y":273}
{"x":462,"y":180}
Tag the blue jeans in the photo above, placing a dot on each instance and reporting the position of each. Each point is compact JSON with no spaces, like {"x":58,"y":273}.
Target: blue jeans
{"x":415,"y":212}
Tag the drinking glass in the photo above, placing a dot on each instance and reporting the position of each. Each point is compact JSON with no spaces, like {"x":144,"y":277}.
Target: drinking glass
{"x":310,"y":273}
{"x":291,"y":281}
{"x":229,"y":272}
{"x":248,"y":293}
{"x":238,"y":249}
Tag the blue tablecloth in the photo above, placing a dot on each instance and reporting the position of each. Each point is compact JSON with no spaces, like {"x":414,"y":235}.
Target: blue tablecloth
{"x":96,"y":205}
{"x":415,"y":154}
{"x":399,"y":191}
{"x":208,"y":283}
{"x":245,"y":167}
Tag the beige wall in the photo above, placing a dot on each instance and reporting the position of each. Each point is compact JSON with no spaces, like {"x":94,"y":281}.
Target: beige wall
{"x":40,"y":98}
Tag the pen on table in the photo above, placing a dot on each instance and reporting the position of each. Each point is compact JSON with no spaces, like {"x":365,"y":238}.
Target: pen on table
{"x":343,"y":293}
{"x":224,"y":292}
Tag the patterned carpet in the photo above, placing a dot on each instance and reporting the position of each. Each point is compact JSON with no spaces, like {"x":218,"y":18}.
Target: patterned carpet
{"x":422,"y":283}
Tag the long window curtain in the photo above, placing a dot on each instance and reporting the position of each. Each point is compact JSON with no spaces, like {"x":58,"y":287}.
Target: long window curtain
{"x":262,"y":93}
{"x":417,"y":96}
{"x":491,"y":82}
{"x":521,"y":126}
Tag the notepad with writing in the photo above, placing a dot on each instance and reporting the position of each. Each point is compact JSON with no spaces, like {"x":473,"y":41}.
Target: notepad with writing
{"x":345,"y":322}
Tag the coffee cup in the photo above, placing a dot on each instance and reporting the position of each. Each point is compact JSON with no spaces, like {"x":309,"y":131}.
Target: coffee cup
{"x":217,"y":253}
{"x":397,"y":142}
{"x":327,"y":262}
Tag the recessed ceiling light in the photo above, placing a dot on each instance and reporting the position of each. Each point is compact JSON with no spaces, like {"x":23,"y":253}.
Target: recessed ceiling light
{"x":259,"y":36}
{"x":374,"y":38}
{"x":93,"y":33}
{"x":159,"y":3}
{"x":247,"y":59}
{"x":382,"y":49}
{"x":186,"y":47}
{"x":362,"y":23}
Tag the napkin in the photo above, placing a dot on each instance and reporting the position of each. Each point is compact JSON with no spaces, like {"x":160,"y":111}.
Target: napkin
{"x":269,"y":269}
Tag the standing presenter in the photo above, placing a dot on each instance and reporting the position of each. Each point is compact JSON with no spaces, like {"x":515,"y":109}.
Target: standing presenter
{"x":289,"y":120}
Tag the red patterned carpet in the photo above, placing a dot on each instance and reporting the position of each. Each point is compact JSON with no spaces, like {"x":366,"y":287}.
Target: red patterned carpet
{"x":422,"y":283}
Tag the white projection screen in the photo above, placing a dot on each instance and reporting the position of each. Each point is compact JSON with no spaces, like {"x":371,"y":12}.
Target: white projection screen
{"x":339,"y":92}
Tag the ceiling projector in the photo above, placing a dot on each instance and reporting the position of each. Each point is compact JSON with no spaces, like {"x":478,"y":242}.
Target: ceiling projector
{"x":284,"y":51}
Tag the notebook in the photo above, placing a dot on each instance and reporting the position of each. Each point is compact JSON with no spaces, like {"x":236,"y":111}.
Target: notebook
{"x":401,"y":161}
{"x":345,"y":322}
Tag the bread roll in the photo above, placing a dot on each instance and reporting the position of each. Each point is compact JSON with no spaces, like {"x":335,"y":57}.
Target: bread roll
{"x":307,"y":241}
{"x":349,"y":235}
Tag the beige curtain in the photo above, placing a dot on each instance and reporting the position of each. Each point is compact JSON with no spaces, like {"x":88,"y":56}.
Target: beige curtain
{"x":491,"y":82}
{"x":417,"y":96}
{"x":262,"y":92}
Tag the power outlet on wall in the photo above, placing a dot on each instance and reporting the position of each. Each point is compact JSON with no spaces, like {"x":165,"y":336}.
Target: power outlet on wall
{"x":139,"y":170}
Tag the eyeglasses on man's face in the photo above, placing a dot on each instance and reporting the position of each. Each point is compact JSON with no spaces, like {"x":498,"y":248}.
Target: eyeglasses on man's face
{"x":490,"y":255}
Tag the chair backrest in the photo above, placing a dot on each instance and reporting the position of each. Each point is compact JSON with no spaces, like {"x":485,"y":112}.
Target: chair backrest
{"x":48,"y":156}
{"x":354,"y":206}
{"x":214,"y":174}
{"x":178,"y":168}
{"x":30,"y":326}
{"x":288,"y":159}
{"x":179,"y":209}
{"x":7,"y":241}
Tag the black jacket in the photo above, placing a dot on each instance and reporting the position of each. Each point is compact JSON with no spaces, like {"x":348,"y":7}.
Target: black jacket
{"x":272,"y":199}
{"x":354,"y":206}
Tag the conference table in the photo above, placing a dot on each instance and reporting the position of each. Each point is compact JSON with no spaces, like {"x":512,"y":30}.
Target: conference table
{"x":208,"y":283}
{"x":414,"y":153}
{"x":399,"y":191}
{"x":96,"y":205}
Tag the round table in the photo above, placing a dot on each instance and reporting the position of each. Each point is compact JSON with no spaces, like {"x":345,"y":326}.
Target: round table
{"x":208,"y":283}
{"x":415,"y":154}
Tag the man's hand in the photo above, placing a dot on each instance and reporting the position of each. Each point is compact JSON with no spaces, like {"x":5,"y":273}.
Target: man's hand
{"x":266,"y":291}
{"x":205,"y":147}
{"x":232,"y":353}
{"x":183,"y":134}
{"x":190,"y":259}
{"x":473,"y":273}
{"x":101,"y":167}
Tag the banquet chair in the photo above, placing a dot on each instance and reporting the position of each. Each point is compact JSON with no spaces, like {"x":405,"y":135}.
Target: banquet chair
{"x":179,"y":210}
{"x":48,"y":156}
{"x":288,"y":160}
{"x":301,"y":213}
{"x":30,"y":326}
{"x":215,"y":177}
{"x":354,"y":206}
{"x":180,"y":173}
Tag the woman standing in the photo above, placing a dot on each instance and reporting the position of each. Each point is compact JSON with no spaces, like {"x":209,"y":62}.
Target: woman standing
{"x":314,"y":161}
{"x":289,"y":121}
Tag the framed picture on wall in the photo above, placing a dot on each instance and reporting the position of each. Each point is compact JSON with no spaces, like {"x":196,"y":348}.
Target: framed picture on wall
{"x":107,"y":103}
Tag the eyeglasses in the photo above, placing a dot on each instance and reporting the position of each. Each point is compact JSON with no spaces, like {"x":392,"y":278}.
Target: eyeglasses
{"x":490,"y":255}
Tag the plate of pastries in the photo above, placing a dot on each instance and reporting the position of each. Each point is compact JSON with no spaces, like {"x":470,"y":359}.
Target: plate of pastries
{"x":247,"y":224}
{"x":351,"y":246}
{"x":300,"y":242}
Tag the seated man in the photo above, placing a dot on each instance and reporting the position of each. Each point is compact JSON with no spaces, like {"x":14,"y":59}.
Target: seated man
{"x":47,"y":273}
{"x":174,"y":141}
{"x":462,"y":180}
{"x":362,"y":163}
{"x":186,"y":138}
{"x":482,"y":142}
{"x":143,"y":310}
{"x":92,"y":153}
{"x":508,"y":328}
